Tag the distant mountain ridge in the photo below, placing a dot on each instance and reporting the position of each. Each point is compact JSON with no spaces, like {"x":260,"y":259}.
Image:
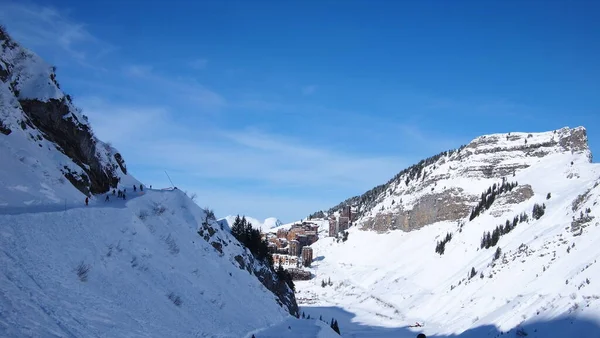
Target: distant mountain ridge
{"x":503,"y":231}
{"x":487,"y":159}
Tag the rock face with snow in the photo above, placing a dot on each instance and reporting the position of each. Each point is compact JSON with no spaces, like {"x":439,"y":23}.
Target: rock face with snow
{"x":35,"y":110}
{"x":446,"y":187}
{"x":153,"y":265}
{"x":503,"y":231}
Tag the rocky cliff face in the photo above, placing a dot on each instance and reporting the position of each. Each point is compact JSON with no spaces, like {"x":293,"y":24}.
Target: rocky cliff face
{"x":213,"y":232}
{"x":447,"y":186}
{"x":34,"y":107}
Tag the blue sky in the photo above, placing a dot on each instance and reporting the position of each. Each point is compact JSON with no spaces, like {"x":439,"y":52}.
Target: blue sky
{"x":272,"y":108}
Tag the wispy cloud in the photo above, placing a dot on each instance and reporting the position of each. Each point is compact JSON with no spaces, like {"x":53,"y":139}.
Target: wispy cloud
{"x":184,"y":88}
{"x":309,"y":90}
{"x":262,"y":158}
{"x":199,"y":64}
{"x":141,"y":71}
{"x":41,"y":26}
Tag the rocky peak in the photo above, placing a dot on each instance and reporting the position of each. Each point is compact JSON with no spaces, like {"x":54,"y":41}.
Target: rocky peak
{"x":34,"y":107}
{"x":446,"y":187}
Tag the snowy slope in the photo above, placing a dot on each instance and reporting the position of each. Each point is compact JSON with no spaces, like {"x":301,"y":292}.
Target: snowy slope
{"x":137,"y":255}
{"x":548,"y":267}
{"x":151,"y":265}
{"x":263,"y":226}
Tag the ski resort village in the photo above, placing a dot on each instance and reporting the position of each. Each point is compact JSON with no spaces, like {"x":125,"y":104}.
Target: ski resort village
{"x":280,"y":186}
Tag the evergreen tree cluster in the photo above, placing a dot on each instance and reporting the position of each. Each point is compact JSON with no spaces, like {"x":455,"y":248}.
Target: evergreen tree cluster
{"x":318,"y":214}
{"x":538,"y":211}
{"x":284,"y":276}
{"x":334,"y":326}
{"x":243,"y":231}
{"x":489,"y":240}
{"x":489,"y":196}
{"x":345,"y":236}
{"x":441,"y":245}
{"x":325,"y":283}
{"x":368,"y":200}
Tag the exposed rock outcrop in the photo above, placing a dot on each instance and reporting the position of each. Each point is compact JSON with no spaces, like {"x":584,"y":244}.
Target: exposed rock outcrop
{"x":36,"y":103}
{"x":266,"y":275}
{"x":449,"y":205}
{"x":445,"y":187}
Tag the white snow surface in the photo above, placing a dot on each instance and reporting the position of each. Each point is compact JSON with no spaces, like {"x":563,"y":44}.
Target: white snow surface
{"x":149,"y":272}
{"x":547,"y":281}
{"x":137,"y":258}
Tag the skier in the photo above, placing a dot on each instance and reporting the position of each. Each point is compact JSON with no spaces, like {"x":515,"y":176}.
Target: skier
{"x":134,"y":188}
{"x":150,"y":186}
{"x":141,"y":187}
{"x":123,"y":196}
{"x":120,"y":193}
{"x":86,"y":201}
{"x":106,"y":199}
{"x":114,"y":192}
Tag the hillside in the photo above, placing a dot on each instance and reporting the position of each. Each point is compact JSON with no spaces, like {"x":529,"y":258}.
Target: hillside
{"x":419,"y":251}
{"x":151,"y":264}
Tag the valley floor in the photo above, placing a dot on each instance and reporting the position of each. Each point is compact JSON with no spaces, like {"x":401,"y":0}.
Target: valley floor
{"x":562,"y":327}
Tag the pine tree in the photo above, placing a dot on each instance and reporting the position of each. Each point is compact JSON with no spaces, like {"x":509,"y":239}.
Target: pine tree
{"x":334,"y":326}
{"x":473,"y":273}
{"x":498,"y":253}
{"x":538,"y":211}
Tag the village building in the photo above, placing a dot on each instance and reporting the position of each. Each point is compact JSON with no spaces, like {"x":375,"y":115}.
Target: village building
{"x":341,"y":223}
{"x":333,"y":226}
{"x":294,"y":248}
{"x":285,"y":260}
{"x":282,"y":233}
{"x":299,"y":274}
{"x":307,"y":256}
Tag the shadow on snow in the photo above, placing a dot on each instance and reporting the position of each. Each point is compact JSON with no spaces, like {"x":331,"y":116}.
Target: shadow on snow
{"x":563,"y":327}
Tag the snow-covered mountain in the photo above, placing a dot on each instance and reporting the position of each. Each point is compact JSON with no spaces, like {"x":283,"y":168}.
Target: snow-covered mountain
{"x":48,"y":149}
{"x":152,"y":264}
{"x":263,"y":226}
{"x":500,"y":233}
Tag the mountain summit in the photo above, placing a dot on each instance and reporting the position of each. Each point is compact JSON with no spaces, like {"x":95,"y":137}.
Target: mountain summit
{"x":444,"y":187}
{"x":46,"y":139}
{"x":502,"y":231}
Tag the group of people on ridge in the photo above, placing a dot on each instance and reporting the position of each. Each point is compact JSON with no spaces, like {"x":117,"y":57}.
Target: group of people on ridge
{"x":119,"y":193}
